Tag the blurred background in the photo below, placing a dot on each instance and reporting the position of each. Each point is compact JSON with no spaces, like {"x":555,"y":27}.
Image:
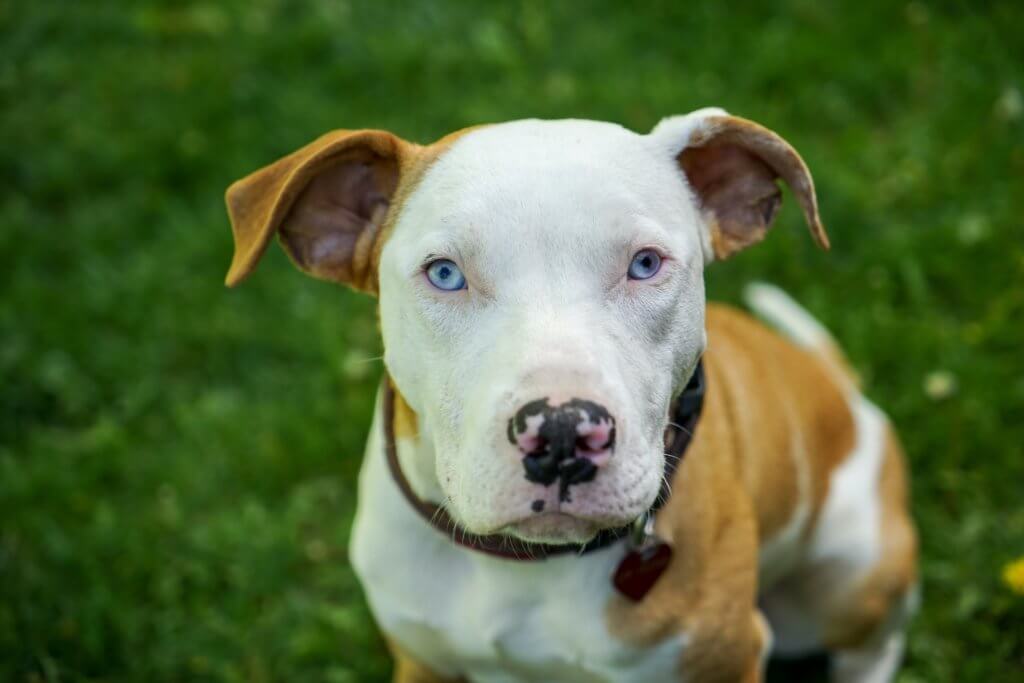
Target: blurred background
{"x":178,"y":460}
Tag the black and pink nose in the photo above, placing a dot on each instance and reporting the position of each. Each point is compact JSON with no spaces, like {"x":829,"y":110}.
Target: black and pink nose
{"x":568,"y":442}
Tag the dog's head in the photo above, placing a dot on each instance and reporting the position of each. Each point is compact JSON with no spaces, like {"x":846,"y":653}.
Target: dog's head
{"x":541,"y":292}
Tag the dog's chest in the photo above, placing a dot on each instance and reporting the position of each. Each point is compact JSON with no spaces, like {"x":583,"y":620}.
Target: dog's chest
{"x":463,"y":613}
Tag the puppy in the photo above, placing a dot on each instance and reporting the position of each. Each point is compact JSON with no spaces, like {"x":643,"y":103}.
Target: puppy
{"x":579,"y":470}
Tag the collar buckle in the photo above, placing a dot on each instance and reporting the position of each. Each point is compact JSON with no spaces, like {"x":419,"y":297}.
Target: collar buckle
{"x":642,"y":530}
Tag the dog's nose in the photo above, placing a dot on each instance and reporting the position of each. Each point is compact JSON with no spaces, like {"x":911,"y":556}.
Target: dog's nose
{"x":568,"y":442}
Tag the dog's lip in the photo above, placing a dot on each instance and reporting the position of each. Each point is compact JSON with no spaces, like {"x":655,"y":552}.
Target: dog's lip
{"x":553,"y":527}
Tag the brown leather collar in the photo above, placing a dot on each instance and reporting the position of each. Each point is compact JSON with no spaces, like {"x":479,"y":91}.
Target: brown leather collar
{"x":685,"y":413}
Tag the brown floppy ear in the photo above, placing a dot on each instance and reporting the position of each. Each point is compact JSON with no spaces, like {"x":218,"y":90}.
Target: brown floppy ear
{"x":732,"y":165}
{"x":326,"y":201}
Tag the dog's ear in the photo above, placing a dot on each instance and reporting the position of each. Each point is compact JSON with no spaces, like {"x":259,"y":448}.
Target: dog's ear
{"x":326,"y":201}
{"x":732,"y":165}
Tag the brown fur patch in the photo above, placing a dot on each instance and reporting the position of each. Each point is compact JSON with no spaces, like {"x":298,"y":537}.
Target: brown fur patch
{"x":259,"y":203}
{"x":406,"y":424}
{"x":791,"y":418}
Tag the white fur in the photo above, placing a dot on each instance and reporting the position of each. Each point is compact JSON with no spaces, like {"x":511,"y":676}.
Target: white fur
{"x":779,"y":309}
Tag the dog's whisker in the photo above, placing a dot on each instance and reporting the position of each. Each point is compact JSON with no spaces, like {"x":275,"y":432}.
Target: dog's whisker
{"x":443,"y":507}
{"x":358,"y":361}
{"x":684,"y":430}
{"x":437,"y":513}
{"x":667,"y":488}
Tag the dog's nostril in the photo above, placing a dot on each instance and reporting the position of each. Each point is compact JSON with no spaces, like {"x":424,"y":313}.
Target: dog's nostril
{"x":595,"y":442}
{"x":586,"y":444}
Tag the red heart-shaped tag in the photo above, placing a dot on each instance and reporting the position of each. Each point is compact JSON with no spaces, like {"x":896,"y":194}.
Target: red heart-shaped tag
{"x":640,"y":568}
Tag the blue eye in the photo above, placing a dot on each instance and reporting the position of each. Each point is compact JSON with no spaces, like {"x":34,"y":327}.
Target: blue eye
{"x":444,"y":274}
{"x":645,"y":265}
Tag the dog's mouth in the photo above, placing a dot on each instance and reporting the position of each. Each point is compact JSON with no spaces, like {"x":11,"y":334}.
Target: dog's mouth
{"x":554,"y":528}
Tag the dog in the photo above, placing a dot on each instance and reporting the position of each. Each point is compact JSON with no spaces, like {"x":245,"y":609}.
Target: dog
{"x":579,"y":470}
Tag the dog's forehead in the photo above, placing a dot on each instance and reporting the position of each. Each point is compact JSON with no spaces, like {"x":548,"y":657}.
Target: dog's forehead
{"x":543,"y":170}
{"x":533,"y":142}
{"x":523,"y":153}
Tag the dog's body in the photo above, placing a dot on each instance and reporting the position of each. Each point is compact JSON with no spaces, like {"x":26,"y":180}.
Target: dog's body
{"x":788,"y":512}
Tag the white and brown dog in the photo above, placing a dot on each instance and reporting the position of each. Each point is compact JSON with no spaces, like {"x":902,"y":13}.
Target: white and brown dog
{"x":542,"y":307}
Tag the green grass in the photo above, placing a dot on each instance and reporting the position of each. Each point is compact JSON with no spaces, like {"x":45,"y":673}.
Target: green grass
{"x":178,"y":461}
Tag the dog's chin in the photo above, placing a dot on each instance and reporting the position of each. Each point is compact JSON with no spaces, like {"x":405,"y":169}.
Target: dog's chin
{"x":556,"y":528}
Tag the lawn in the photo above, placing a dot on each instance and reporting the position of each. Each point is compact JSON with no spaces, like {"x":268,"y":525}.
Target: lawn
{"x":178,"y":460}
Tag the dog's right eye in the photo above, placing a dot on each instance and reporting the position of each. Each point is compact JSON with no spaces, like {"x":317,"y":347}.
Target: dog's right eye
{"x":445,"y":275}
{"x":645,"y":265}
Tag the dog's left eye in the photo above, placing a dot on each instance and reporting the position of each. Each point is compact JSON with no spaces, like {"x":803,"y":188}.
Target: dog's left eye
{"x":444,"y":274}
{"x":645,"y":264}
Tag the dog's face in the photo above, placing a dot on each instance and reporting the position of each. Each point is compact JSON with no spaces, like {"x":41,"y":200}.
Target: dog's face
{"x":541,"y":293}
{"x":541,"y":225}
